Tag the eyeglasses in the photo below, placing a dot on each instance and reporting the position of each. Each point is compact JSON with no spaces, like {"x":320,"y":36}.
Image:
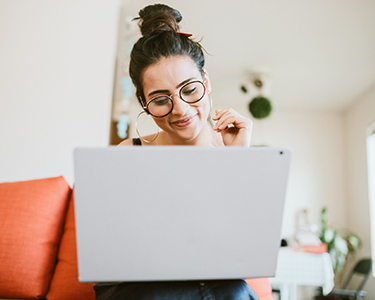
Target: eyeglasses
{"x":162,"y":105}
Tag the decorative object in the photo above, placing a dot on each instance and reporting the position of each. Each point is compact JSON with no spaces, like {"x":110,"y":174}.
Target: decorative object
{"x":307,"y":235}
{"x":341,"y":243}
{"x":123,"y":126}
{"x":260,"y":107}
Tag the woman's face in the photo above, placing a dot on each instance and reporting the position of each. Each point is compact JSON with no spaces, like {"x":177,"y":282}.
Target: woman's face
{"x":186,"y":121}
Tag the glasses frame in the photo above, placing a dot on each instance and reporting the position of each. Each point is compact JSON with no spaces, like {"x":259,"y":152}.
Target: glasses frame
{"x":145,"y":107}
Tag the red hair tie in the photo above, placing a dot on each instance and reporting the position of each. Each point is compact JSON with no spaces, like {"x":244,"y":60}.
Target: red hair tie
{"x":184,"y":33}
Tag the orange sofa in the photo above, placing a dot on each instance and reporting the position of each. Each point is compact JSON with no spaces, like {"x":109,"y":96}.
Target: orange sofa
{"x":38,"y":244}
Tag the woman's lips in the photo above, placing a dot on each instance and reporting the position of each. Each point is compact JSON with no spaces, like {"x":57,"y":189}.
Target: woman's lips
{"x":184,"y":122}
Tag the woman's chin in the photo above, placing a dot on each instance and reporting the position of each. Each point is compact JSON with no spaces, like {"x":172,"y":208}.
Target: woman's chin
{"x":189,"y":134}
{"x":185,"y":134}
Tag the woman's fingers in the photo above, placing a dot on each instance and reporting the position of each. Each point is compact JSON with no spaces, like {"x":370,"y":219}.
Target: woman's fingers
{"x":223,"y":118}
{"x":230,"y":118}
{"x":224,"y":122}
{"x":234,"y":128}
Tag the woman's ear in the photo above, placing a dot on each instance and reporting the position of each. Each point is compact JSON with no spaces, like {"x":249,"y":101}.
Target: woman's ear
{"x":207,"y":81}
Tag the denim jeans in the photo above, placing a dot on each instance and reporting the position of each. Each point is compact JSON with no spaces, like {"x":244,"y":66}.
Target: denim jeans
{"x":182,"y":290}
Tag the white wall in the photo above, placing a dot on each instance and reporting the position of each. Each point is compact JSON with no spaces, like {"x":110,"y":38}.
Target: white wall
{"x":56,"y":77}
{"x":357,"y":118}
{"x":317,"y":168}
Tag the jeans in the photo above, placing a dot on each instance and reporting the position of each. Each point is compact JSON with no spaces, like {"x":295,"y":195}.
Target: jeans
{"x":182,"y":290}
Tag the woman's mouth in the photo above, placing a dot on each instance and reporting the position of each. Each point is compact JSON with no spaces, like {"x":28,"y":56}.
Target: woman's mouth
{"x":184,"y":122}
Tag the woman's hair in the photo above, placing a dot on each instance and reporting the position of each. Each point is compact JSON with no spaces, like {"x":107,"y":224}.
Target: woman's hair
{"x":160,"y":38}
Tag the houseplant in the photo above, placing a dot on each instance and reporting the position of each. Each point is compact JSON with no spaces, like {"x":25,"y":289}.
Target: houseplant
{"x":260,"y":107}
{"x":342,"y":243}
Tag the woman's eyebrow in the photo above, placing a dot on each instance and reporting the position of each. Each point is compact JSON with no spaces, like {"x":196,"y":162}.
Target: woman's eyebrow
{"x":185,"y":81}
{"x":167,"y":91}
{"x":158,"y":92}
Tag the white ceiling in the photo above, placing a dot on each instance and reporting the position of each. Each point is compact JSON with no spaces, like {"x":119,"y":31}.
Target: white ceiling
{"x":318,"y":54}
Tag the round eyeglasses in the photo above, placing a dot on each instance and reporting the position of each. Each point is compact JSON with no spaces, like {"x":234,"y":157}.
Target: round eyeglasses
{"x":162,"y":105}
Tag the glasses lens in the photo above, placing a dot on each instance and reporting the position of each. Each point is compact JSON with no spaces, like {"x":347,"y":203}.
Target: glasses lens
{"x":160,"y":106}
{"x":192,"y":92}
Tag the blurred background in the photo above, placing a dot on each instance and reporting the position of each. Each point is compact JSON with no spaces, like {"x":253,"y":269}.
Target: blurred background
{"x":63,"y":84}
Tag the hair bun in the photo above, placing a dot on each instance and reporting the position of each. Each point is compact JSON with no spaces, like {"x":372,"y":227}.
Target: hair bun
{"x":157,"y":18}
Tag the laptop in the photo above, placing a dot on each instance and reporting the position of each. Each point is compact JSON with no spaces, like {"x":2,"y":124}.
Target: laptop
{"x":178,"y":213}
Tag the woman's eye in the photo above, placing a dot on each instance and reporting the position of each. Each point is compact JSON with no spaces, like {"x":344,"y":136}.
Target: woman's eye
{"x":161,"y":101}
{"x":189,"y":91}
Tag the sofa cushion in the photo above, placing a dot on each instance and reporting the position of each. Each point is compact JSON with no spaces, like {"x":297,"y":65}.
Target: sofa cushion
{"x":261,"y":287}
{"x":65,"y":284}
{"x":31,"y":220}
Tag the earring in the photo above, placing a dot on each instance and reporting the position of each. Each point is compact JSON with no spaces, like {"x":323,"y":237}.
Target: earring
{"x":136,"y":129}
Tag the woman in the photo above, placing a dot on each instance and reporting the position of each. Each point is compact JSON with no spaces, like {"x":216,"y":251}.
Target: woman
{"x":167,"y":69}
{"x":162,"y":62}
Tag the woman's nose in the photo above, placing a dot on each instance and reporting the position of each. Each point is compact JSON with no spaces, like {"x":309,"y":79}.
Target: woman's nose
{"x":179,"y":106}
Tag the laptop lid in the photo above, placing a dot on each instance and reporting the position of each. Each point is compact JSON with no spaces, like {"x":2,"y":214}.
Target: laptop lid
{"x":178,"y":213}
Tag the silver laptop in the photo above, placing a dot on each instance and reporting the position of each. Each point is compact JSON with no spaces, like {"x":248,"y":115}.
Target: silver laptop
{"x":178,"y":213}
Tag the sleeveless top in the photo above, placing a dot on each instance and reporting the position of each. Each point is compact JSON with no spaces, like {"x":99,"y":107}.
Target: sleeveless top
{"x":137,"y":142}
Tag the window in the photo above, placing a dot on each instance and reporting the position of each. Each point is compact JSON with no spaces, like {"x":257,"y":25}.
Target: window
{"x":371,"y":183}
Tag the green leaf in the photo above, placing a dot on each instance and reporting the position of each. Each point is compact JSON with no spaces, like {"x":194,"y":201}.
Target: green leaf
{"x":329,"y":235}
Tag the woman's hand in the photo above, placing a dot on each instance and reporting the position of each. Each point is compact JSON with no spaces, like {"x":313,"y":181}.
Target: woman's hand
{"x":234,"y":128}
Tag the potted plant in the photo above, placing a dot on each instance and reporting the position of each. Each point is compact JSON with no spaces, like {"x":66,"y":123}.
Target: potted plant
{"x":341,"y":243}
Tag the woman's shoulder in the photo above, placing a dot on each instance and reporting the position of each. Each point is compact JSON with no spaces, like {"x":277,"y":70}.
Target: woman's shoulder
{"x":148,"y":140}
{"x":131,"y":142}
